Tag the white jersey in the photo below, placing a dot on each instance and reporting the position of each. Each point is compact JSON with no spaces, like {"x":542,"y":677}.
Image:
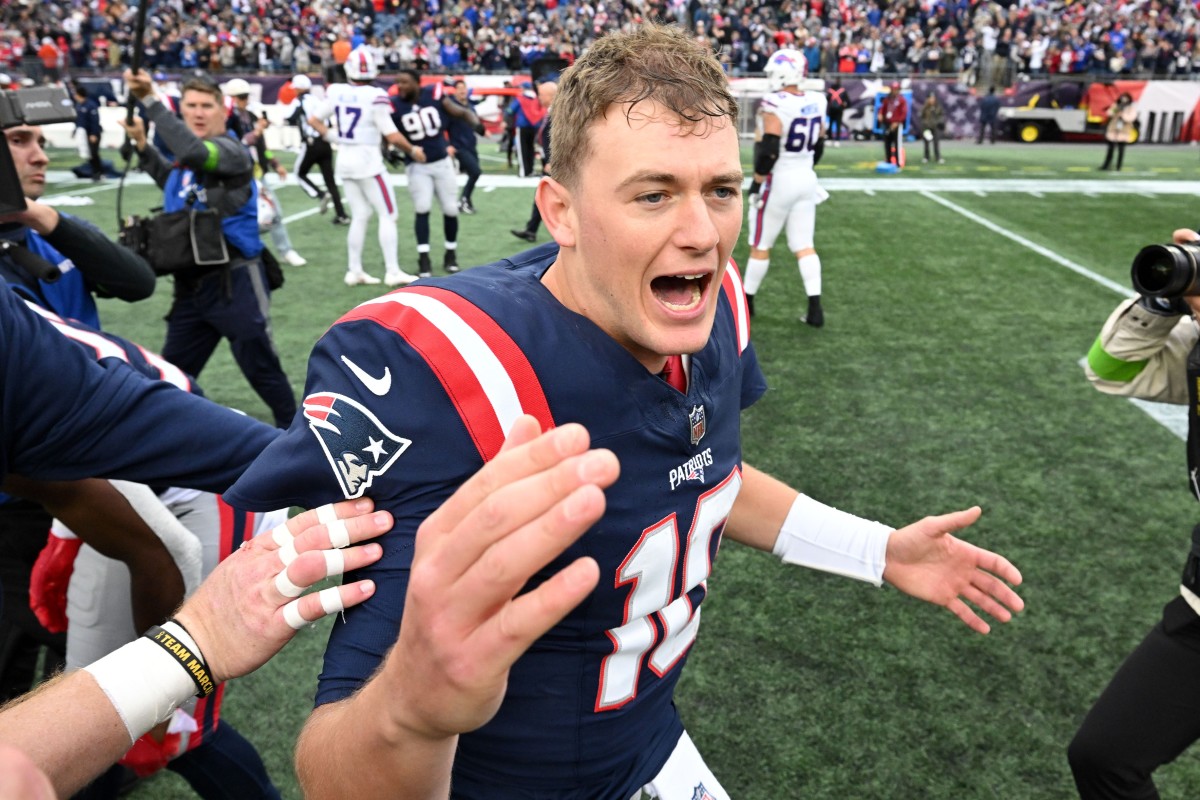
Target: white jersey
{"x":361,"y":116}
{"x":802,"y":117}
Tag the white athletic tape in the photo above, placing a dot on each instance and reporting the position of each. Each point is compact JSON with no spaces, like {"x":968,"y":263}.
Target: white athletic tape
{"x":338,"y":535}
{"x":331,"y":600}
{"x":331,"y":603}
{"x":335,"y":562}
{"x":326,"y":515}
{"x":144,"y":684}
{"x":282,"y":535}
{"x":291,"y":615}
{"x":285,"y":586}
{"x":287,"y":553}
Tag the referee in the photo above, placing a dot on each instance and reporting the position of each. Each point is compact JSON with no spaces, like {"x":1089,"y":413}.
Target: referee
{"x":314,"y":152}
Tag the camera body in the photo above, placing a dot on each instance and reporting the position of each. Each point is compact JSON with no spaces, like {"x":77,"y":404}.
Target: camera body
{"x":1167,"y":270}
{"x":39,"y":105}
{"x":44,"y":105}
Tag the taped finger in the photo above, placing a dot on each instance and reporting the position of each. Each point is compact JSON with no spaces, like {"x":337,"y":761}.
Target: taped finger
{"x":287,"y":553}
{"x":326,"y":515}
{"x":281,"y":535}
{"x":285,"y":586}
{"x":287,"y":544}
{"x":338,"y":535}
{"x":331,"y":603}
{"x":335,"y":563}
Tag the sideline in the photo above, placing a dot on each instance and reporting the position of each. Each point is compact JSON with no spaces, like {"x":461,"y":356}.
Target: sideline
{"x":1171,"y":417}
{"x":1030,"y":186}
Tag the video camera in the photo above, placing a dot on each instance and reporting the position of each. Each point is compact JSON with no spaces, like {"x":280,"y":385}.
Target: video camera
{"x":1167,"y":270}
{"x":43,"y":105}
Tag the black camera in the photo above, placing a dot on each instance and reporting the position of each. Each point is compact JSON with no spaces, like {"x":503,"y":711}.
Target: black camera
{"x":42,"y":105}
{"x":35,"y":106}
{"x":1167,"y":270}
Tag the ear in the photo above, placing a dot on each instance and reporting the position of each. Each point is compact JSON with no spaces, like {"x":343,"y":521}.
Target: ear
{"x":556,"y":204}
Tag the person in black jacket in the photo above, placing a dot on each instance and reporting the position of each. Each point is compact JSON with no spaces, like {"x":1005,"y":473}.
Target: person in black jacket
{"x":315,"y":152}
{"x":546,"y":92}
{"x":87,"y":119}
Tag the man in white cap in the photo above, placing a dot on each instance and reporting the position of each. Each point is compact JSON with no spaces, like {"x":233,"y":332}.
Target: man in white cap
{"x":251,"y":129}
{"x":314,"y":152}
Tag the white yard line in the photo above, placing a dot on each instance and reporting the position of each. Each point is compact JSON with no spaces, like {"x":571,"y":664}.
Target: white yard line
{"x":1171,"y":417}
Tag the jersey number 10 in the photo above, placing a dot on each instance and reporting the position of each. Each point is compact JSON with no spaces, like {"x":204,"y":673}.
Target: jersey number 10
{"x":650,"y":571}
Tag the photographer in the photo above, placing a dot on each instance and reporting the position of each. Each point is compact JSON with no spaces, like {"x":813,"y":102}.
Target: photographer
{"x":1148,"y":348}
{"x":87,"y":259}
{"x":213,"y":170}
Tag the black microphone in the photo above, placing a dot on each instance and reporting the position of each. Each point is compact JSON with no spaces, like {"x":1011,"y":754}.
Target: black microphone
{"x":31,"y":262}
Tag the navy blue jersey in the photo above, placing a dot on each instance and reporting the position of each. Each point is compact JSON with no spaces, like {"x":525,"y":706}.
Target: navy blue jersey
{"x":409,"y":394}
{"x":424,"y":122}
{"x":101,"y":345}
{"x":87,"y":117}
{"x":461,"y":134}
{"x":67,"y":416}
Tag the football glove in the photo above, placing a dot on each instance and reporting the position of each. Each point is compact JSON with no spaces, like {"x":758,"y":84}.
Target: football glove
{"x":393,"y":156}
{"x":49,"y":580}
{"x":757,"y":201}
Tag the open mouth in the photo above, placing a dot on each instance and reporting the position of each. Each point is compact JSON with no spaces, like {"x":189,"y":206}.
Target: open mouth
{"x":680,"y":292}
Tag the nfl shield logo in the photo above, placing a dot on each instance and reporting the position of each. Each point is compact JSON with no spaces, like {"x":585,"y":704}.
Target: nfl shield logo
{"x":696,"y":424}
{"x":702,"y":794}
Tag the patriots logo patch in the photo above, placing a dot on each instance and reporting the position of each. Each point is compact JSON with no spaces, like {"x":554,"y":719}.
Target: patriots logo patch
{"x":702,"y":794}
{"x":357,"y":445}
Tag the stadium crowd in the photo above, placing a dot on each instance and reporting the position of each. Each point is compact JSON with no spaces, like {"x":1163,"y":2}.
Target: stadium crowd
{"x":977,"y":40}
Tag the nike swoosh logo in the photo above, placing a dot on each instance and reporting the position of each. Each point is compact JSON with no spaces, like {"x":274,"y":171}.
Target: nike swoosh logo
{"x":378,"y":386}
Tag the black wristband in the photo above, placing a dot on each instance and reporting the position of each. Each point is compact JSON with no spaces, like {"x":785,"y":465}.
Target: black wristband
{"x":188,"y":659}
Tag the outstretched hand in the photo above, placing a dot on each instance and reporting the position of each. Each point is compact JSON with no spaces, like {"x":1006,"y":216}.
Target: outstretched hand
{"x":465,"y":620}
{"x":926,"y":561}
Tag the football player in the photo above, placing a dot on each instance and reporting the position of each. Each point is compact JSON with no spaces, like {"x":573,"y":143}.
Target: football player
{"x":248,"y":608}
{"x":420,"y":113}
{"x":633,"y":326}
{"x":789,"y":141}
{"x":196,"y":743}
{"x":361,"y":122}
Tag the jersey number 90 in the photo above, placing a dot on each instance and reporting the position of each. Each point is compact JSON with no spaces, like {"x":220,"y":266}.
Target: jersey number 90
{"x":422,"y":123}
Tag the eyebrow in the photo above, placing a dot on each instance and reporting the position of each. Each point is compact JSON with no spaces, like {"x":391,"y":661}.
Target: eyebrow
{"x":648,"y":176}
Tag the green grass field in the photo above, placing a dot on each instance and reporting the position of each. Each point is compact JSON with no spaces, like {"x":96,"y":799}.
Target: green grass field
{"x":947,"y":375}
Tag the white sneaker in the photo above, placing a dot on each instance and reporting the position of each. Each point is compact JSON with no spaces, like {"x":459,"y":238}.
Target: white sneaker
{"x":360,"y":279}
{"x":326,"y":202}
{"x":294,"y":258}
{"x":398,"y":279}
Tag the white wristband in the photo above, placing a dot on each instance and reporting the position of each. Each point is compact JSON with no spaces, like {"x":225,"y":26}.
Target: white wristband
{"x":143,"y":682}
{"x":818,"y":536}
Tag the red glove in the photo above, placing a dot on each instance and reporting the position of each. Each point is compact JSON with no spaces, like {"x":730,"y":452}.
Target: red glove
{"x":49,"y":579}
{"x":148,"y":755}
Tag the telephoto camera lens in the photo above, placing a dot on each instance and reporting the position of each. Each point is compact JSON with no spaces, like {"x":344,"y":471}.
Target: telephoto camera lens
{"x":1167,"y":270}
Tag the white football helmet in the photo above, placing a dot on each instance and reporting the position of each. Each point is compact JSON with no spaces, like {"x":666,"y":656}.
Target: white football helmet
{"x":786,"y":68}
{"x":360,"y":65}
